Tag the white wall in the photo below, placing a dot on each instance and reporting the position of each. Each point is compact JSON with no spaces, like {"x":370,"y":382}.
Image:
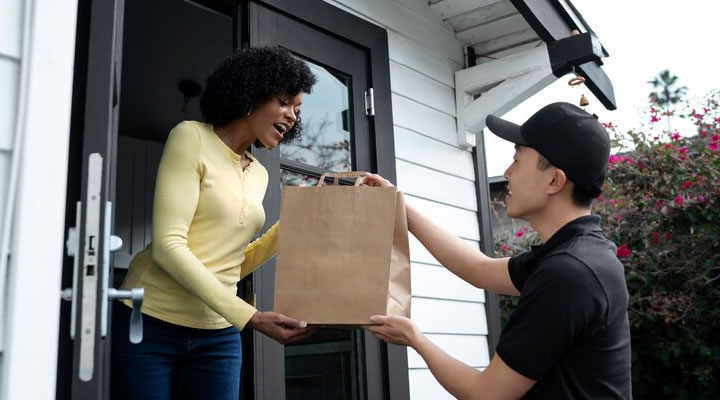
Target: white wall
{"x":11,"y":23}
{"x":435,"y":174}
{"x":37,"y":47}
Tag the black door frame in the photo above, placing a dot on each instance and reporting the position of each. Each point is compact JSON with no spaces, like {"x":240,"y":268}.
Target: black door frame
{"x":93,"y":131}
{"x":391,"y":360}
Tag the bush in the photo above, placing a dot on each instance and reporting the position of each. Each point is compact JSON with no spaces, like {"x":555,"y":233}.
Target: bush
{"x":661,"y":205}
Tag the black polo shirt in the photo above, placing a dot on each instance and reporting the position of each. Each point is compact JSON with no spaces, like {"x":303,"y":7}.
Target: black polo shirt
{"x":570,"y":330}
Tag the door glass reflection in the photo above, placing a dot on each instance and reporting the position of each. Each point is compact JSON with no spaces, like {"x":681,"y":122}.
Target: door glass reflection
{"x":291,"y":178}
{"x":326,"y":119}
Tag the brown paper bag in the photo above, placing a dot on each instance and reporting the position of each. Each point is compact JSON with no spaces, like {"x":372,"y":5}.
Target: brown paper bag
{"x":342,"y":253}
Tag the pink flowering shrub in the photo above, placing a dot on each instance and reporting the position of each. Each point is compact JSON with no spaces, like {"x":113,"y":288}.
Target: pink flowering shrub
{"x":661,"y":206}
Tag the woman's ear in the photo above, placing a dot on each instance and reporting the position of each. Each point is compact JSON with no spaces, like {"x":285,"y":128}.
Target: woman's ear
{"x":558,"y":182}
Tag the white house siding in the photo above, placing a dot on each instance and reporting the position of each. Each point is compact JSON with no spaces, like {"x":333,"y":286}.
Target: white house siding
{"x":37,"y":43}
{"x":10,"y":43}
{"x":435,"y":174}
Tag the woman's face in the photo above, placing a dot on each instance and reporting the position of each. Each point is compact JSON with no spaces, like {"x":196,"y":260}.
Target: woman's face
{"x":269,"y":122}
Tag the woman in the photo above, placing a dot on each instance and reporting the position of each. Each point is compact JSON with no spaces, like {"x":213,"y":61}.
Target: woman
{"x":207,"y":208}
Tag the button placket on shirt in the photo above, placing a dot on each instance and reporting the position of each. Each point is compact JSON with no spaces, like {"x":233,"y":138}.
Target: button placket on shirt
{"x":242,"y":174}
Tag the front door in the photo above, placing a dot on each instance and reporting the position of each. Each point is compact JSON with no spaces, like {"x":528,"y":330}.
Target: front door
{"x":169,"y":48}
{"x":85,"y":363}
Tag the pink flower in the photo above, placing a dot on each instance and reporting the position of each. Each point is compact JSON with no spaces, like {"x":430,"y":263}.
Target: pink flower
{"x":505,"y":247}
{"x":678,"y":200}
{"x":519,"y":233}
{"x":654,"y":238}
{"x":623,"y":251}
{"x":713,"y":146}
{"x":701,"y":198}
{"x":683,"y":150}
{"x":656,"y":138}
{"x":667,"y":236}
{"x":717,"y":120}
{"x":703,"y":132}
{"x":675,"y":136}
{"x":654,"y":119}
{"x":715,"y":138}
{"x":686,"y":185}
{"x":525,"y":229}
{"x":618,"y":217}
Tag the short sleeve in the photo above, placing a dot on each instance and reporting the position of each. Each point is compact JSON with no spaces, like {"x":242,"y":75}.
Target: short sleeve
{"x":519,"y":269}
{"x":559,"y":301}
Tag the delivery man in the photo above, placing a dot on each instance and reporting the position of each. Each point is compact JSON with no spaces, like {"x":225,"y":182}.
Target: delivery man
{"x":569,"y":336}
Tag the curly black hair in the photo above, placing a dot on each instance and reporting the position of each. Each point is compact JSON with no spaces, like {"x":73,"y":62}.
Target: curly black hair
{"x":250,"y":78}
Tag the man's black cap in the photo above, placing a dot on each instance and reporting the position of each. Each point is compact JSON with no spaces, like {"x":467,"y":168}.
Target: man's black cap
{"x":568,"y":137}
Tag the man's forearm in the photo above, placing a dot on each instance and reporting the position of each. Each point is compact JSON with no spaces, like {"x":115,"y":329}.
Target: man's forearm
{"x":456,"y":377}
{"x":458,"y":256}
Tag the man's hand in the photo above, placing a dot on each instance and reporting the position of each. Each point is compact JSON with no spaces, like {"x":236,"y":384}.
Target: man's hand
{"x":279,"y":327}
{"x":375,"y":180}
{"x":394,"y":329}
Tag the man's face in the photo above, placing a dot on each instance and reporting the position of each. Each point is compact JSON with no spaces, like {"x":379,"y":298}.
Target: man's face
{"x":527,"y":184}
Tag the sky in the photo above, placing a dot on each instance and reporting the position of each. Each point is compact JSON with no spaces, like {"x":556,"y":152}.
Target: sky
{"x":643,"y":37}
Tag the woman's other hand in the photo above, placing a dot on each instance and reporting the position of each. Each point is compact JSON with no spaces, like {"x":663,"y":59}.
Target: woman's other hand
{"x":375,"y":180}
{"x":280,"y":327}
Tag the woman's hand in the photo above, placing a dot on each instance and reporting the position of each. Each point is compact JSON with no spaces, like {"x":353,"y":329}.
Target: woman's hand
{"x":395,"y":329}
{"x":375,"y":180}
{"x":279,"y":327}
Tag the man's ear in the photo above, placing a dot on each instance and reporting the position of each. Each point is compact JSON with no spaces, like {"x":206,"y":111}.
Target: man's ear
{"x":558,"y":182}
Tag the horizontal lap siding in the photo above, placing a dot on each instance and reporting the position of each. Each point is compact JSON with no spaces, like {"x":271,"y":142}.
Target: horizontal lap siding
{"x":422,"y":150}
{"x":423,"y":120}
{"x":431,"y":184}
{"x":435,"y":174}
{"x":9,"y":77}
{"x":10,"y":52}
{"x":424,"y":284}
{"x":472,"y":350}
{"x":420,"y":254}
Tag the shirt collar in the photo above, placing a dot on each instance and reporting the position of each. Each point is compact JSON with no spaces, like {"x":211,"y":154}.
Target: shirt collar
{"x":574,"y":228}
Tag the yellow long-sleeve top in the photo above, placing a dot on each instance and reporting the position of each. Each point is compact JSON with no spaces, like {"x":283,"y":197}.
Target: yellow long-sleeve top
{"x":206,"y":211}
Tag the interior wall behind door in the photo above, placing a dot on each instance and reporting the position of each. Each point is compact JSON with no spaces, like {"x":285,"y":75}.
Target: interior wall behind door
{"x":170,"y":47}
{"x":168,"y":44}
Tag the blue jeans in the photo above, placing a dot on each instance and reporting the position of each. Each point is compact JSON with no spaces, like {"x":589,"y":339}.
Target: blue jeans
{"x":173,"y":361}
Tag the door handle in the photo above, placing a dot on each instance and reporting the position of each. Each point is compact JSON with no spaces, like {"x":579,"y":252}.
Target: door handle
{"x":69,"y":294}
{"x":136,"y":324}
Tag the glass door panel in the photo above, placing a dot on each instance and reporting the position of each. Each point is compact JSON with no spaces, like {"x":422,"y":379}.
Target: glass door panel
{"x":327,"y":124}
{"x":334,"y":363}
{"x":328,"y":365}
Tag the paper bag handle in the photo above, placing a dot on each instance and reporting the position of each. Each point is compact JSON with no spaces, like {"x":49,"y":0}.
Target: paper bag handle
{"x":352,"y":174}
